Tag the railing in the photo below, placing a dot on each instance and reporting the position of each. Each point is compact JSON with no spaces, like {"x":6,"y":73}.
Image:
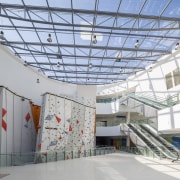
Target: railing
{"x":19,"y":159}
{"x":143,"y":151}
{"x":156,"y":102}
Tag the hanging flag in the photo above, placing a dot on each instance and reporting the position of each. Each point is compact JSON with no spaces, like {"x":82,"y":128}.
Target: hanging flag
{"x":3,"y":112}
{"x":4,"y":125}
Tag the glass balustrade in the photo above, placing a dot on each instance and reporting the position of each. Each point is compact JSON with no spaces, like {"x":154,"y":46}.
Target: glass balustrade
{"x":19,"y":159}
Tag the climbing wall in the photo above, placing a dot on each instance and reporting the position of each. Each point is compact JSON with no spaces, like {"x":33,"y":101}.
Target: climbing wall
{"x":65,"y":125}
{"x":17,"y":126}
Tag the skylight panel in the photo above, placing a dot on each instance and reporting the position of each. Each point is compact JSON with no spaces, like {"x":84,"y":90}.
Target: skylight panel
{"x":150,"y":7}
{"x":107,"y":5}
{"x":173,"y":10}
{"x":35,"y":2}
{"x":85,"y":4}
{"x":61,"y":3}
{"x":131,"y":6}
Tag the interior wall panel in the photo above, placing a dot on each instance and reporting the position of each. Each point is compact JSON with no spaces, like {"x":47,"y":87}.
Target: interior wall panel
{"x":17,"y":127}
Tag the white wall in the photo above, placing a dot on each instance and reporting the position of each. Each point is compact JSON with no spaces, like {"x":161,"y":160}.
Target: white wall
{"x":111,"y":108}
{"x":169,"y":119}
{"x":109,"y":131}
{"x":22,"y":80}
{"x":88,"y":91}
{"x":147,"y":81}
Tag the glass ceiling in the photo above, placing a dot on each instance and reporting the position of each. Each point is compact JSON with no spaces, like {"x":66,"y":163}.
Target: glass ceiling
{"x":90,"y":41}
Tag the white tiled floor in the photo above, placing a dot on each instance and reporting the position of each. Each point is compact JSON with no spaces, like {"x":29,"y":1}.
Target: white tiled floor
{"x":117,"y":166}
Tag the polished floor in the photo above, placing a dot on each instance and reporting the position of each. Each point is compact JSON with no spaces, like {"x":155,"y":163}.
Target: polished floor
{"x":116,"y":166}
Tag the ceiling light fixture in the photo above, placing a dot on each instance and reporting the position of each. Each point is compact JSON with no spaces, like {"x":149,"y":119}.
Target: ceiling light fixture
{"x":2,"y":36}
{"x":137,"y":44}
{"x":25,"y":63}
{"x":90,"y":65}
{"x":150,"y":69}
{"x":118,"y":56}
{"x":49,"y":39}
{"x":58,"y":65}
{"x":37,"y":81}
{"x":121,"y":70}
{"x":177,"y":46}
{"x":94,"y":40}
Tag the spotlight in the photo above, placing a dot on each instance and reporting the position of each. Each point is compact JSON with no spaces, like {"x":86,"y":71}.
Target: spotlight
{"x":121,"y":70}
{"x":137,"y":44}
{"x":177,"y":46}
{"x":49,"y":39}
{"x":37,"y":81}
{"x":2,"y":36}
{"x":94,"y":40}
{"x":150,"y":69}
{"x":58,"y":65}
{"x":25,"y":63}
{"x":90,"y":65}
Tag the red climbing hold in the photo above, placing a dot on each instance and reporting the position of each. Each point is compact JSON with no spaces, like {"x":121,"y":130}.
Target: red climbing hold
{"x":58,"y":119}
{"x":70,"y":127}
{"x":27,"y":117}
{"x":39,"y":146}
{"x":38,"y":126}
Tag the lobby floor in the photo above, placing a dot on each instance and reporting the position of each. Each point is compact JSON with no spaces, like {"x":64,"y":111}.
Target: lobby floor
{"x":116,"y":166}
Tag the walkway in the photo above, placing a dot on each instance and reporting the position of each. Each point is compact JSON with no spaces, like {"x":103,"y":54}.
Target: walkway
{"x":117,"y":166}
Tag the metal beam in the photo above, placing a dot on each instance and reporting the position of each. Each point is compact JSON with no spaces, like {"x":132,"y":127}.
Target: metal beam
{"x":84,"y":46}
{"x":89,"y":26}
{"x":85,"y":11}
{"x":66,"y":31}
{"x":81,"y":65}
{"x":87,"y":73}
{"x":123,"y":59}
{"x":74,"y":77}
